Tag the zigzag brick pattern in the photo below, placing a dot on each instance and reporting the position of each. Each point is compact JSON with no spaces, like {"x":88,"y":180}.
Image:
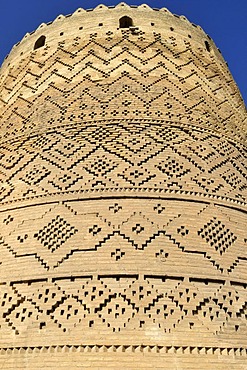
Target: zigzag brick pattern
{"x":123,"y":196}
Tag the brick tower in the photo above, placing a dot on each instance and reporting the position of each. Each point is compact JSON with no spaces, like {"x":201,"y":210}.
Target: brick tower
{"x":123,"y":197}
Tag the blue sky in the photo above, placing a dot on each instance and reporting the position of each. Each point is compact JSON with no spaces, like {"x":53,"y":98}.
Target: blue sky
{"x":223,"y":20}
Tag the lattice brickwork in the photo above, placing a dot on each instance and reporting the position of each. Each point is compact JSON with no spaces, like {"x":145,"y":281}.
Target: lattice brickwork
{"x":123,"y":197}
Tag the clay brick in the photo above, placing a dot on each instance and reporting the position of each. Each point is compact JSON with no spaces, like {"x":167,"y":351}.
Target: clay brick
{"x":123,"y":196}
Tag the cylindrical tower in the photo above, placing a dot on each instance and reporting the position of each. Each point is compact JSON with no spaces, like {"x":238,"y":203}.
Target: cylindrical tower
{"x":123,"y":196}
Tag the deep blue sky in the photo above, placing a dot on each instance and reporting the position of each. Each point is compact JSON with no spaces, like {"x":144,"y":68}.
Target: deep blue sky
{"x":223,"y":20}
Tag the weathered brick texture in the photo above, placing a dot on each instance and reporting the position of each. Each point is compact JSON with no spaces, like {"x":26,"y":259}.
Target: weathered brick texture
{"x":123,"y":197}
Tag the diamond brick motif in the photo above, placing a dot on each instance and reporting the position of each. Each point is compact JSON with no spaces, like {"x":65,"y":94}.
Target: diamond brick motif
{"x":117,"y":312}
{"x":123,"y":194}
{"x":55,"y":233}
{"x":69,"y":313}
{"x":117,"y":254}
{"x":35,"y":175}
{"x":10,"y":159}
{"x":172,"y":169}
{"x":95,"y":229}
{"x":22,"y":315}
{"x":217,"y":235}
{"x":100,"y":166}
{"x":137,"y":176}
{"x":64,"y":181}
{"x":139,"y":230}
{"x":115,"y":208}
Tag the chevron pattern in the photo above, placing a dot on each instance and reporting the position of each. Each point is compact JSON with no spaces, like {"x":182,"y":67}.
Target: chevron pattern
{"x":123,"y":194}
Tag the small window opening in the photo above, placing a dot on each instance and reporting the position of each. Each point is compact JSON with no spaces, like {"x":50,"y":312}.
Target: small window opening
{"x":40,"y":42}
{"x":100,"y":24}
{"x":207,"y":46}
{"x":125,"y":22}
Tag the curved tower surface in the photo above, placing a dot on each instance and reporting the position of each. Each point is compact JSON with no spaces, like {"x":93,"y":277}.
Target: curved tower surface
{"x":123,"y":196}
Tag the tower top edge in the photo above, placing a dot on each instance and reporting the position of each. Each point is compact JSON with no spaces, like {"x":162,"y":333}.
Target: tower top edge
{"x":100,"y":9}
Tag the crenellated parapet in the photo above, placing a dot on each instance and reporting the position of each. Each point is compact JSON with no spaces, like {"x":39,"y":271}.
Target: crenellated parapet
{"x":123,"y":196}
{"x":84,"y":21}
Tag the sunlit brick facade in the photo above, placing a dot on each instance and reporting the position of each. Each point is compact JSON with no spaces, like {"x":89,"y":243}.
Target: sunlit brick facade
{"x":123,"y":197}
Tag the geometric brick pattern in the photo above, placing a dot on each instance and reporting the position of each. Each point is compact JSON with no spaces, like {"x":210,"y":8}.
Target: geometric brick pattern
{"x":159,"y":164}
{"x":165,"y":231}
{"x":217,"y":235}
{"x":120,"y":304}
{"x":123,"y":196}
{"x":55,"y":233}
